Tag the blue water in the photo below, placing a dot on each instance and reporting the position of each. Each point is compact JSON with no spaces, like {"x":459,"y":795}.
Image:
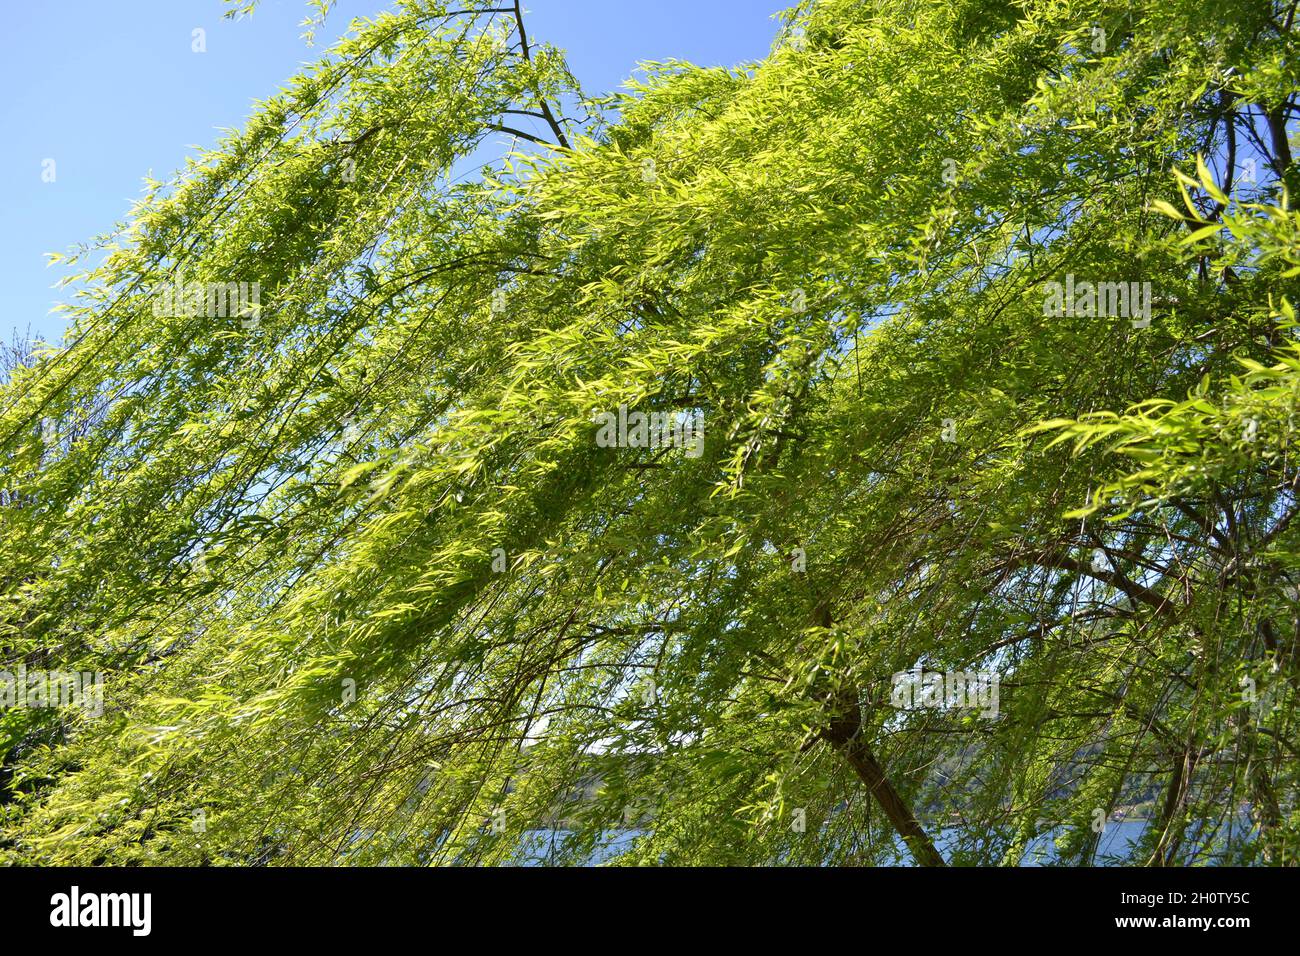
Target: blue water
{"x":1115,"y":848}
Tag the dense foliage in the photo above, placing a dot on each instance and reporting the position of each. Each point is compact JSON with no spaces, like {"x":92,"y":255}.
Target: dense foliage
{"x":364,"y":587}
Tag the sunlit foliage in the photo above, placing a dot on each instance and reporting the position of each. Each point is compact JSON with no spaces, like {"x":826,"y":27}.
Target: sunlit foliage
{"x":363,"y":586}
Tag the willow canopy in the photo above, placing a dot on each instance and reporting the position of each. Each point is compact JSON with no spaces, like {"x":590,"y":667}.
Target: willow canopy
{"x":879,"y":452}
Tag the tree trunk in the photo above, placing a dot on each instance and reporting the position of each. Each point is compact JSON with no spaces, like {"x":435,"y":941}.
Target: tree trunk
{"x":845,"y":735}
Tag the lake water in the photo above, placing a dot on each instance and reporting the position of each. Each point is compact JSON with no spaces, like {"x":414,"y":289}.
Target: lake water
{"x":1114,"y":849}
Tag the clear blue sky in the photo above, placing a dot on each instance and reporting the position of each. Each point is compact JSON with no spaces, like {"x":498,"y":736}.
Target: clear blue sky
{"x":111,"y":91}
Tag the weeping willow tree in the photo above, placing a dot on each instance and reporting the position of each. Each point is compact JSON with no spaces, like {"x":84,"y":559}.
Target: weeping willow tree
{"x":608,"y":480}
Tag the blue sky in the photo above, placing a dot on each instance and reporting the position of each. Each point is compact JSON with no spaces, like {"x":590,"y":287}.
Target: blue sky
{"x":111,"y":91}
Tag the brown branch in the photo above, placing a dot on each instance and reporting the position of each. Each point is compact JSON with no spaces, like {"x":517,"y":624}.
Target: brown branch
{"x":1282,"y":159}
{"x":1171,"y":831}
{"x":844,"y":733}
{"x":518,"y":132}
{"x":541,"y":101}
{"x":1137,"y":592}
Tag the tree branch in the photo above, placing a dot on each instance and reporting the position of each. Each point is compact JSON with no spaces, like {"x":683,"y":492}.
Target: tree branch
{"x":541,"y":101}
